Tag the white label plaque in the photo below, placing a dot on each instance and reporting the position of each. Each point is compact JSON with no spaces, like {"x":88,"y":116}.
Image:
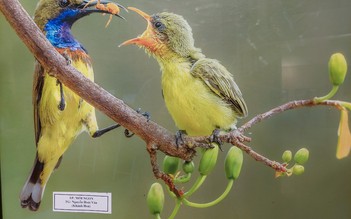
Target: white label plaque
{"x":86,"y":202}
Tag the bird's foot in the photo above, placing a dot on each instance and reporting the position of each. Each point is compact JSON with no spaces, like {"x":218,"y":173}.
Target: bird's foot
{"x":130,"y":134}
{"x":179,"y":137}
{"x":214,"y":138}
{"x":67,"y":57}
{"x":145,"y":114}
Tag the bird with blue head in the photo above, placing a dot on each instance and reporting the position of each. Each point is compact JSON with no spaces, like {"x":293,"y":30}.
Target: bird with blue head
{"x":60,"y":115}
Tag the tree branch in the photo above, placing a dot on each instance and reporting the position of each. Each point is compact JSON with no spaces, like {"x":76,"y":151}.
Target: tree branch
{"x":155,"y":136}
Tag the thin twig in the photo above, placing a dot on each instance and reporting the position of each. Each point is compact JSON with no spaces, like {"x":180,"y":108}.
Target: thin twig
{"x":152,"y":149}
{"x":237,"y":137}
{"x":287,"y":106}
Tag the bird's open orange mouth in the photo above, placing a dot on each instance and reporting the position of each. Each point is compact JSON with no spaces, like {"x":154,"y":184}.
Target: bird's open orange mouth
{"x":148,"y":38}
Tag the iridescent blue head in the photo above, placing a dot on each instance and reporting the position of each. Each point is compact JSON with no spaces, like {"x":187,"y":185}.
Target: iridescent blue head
{"x":56,"y":17}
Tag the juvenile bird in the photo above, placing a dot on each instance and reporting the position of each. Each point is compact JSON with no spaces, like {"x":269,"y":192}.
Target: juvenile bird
{"x":200,"y":94}
{"x":59,"y":114}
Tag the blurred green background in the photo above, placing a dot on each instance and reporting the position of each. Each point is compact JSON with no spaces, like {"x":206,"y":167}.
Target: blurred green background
{"x":277,"y":50}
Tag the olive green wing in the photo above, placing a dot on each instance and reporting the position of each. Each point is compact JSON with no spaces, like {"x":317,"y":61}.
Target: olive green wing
{"x":38,"y":83}
{"x":221,"y":82}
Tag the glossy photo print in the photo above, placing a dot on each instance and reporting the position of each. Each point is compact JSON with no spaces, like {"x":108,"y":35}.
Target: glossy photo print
{"x":175,"y":109}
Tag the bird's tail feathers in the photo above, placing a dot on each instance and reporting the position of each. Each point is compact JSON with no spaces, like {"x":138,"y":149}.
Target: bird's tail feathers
{"x":33,"y":189}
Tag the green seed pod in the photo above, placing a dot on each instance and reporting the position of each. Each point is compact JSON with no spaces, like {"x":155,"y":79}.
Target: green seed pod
{"x":298,"y":169}
{"x":337,"y":69}
{"x":155,"y":199}
{"x":170,"y":164}
{"x":208,"y":160}
{"x":287,"y":156}
{"x":188,"y":167}
{"x":301,"y":156}
{"x":233,"y":163}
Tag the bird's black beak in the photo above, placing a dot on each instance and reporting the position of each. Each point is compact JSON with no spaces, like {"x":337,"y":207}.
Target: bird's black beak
{"x":101,"y":6}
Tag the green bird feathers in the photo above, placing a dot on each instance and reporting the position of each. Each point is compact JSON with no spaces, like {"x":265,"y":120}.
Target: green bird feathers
{"x":200,"y":93}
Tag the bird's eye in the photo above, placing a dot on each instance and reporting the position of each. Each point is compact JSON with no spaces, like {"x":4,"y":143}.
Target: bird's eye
{"x":159,"y":25}
{"x":63,"y":3}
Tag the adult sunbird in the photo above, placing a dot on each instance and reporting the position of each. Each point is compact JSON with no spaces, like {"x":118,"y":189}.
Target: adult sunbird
{"x":200,"y":94}
{"x":59,"y":114}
